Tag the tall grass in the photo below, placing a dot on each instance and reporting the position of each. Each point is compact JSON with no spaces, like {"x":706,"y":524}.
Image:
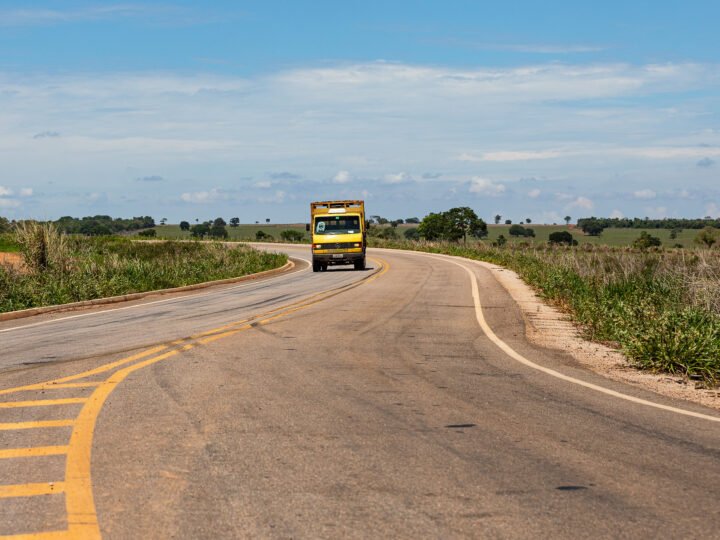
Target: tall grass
{"x":662,"y":308}
{"x":88,"y":268}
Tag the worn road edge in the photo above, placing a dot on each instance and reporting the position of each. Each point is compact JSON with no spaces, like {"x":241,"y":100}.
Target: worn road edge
{"x":548,"y":327}
{"x":21,"y":314}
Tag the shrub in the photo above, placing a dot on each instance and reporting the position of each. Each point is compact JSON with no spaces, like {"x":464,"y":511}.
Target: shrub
{"x":562,"y":237}
{"x":148,"y":233}
{"x":412,"y":234}
{"x":646,"y":241}
{"x":291,"y":235}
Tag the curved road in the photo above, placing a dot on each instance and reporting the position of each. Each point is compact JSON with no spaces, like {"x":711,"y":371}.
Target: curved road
{"x":403,"y":401}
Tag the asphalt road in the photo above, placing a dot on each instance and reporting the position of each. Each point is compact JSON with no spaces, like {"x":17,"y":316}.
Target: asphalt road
{"x":339,"y":404}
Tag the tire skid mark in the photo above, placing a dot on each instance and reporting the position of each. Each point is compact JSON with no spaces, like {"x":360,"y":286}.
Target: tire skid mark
{"x":82,"y":521}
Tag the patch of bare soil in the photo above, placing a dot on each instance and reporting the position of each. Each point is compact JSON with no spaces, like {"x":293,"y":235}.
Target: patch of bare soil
{"x":13,"y":260}
{"x":548,"y":327}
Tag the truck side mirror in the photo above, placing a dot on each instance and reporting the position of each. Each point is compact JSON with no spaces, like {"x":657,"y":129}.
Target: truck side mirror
{"x":307,"y":227}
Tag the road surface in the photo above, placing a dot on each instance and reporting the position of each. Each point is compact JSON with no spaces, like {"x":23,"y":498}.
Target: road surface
{"x":403,"y":402}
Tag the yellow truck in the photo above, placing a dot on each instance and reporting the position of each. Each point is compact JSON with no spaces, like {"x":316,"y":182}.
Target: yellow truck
{"x":338,"y":234}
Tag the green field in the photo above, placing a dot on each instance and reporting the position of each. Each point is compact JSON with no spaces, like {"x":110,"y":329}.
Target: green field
{"x":8,"y":244}
{"x":609,"y":237}
{"x":240,"y":233}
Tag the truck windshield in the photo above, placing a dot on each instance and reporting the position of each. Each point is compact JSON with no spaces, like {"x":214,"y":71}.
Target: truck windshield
{"x":337,"y":225}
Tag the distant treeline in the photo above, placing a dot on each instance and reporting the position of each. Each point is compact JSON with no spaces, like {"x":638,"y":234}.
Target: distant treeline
{"x":646,"y":223}
{"x":102,"y":225}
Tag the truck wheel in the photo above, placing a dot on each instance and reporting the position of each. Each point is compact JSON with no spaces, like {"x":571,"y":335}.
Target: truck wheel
{"x":316,"y":266}
{"x":323,"y":267}
{"x":360,"y":265}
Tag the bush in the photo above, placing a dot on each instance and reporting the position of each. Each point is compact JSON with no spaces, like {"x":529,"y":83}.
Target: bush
{"x":562,"y":237}
{"x":291,"y":235}
{"x":412,"y":234}
{"x":262,"y":235}
{"x":148,"y":233}
{"x":646,"y":241}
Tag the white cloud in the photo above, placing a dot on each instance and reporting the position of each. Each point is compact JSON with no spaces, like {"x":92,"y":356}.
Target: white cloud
{"x":342,"y":177}
{"x":483,"y":186}
{"x":4,"y":192}
{"x":581,"y":202}
{"x":26,"y":192}
{"x":369,"y":108}
{"x":617,"y":214}
{"x":513,"y":156}
{"x":658,"y":212}
{"x":645,"y":194}
{"x":203,"y":197}
{"x":398,"y":178}
{"x":534,"y":193}
{"x":9,"y":203}
{"x":712,"y":209}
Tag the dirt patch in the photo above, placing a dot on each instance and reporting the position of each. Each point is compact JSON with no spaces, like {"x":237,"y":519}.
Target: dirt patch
{"x":548,"y":327}
{"x":12,"y":260}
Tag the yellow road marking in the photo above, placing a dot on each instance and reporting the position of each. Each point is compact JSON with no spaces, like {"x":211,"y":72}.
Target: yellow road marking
{"x":88,"y":373}
{"x":41,"y":402}
{"x":33,"y":425}
{"x":54,"y":386}
{"x":35,"y":451}
{"x":31,"y":490}
{"x":80,"y":506}
{"x":48,"y":535}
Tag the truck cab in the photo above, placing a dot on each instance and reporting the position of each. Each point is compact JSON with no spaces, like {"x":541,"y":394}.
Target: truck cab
{"x":338,"y":234}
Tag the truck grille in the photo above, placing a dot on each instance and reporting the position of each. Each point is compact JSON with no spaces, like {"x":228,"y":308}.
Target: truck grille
{"x":336,"y":245}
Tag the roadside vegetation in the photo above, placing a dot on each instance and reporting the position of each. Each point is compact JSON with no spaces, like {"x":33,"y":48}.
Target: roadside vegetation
{"x":58,"y":269}
{"x":660,"y":306}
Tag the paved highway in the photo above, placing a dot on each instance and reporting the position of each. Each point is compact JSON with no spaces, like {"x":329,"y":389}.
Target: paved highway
{"x":403,"y":401}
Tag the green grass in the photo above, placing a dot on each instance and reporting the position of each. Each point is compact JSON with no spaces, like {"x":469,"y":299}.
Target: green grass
{"x":100,"y":267}
{"x":242,"y":233}
{"x":662,"y":308}
{"x":609,"y":237}
{"x":8,"y":244}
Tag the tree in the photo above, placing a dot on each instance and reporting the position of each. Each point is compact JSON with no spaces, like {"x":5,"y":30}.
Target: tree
{"x":163,"y":221}
{"x":646,"y":241}
{"x":217,"y":230}
{"x":148,"y":233}
{"x":501,"y":241}
{"x":528,"y":220}
{"x":498,"y":217}
{"x":235,"y":222}
{"x":463,"y":221}
{"x":219,"y":222}
{"x":394,"y":223}
{"x":412,"y":220}
{"x":432,"y":227}
{"x":674,"y":233}
{"x":4,"y":225}
{"x":562,"y":237}
{"x":517,"y":230}
{"x":707,"y":237}
{"x":267,"y":220}
{"x":567,"y":220}
{"x":412,"y":234}
{"x":200,"y":230}
{"x":184,"y":226}
{"x":592,"y":227}
{"x":262,"y":235}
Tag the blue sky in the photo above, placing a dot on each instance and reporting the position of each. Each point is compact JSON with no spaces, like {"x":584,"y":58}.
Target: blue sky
{"x":191,"y":110}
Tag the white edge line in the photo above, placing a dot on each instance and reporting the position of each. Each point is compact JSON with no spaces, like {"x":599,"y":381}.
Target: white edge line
{"x":520,"y":358}
{"x":207,"y":292}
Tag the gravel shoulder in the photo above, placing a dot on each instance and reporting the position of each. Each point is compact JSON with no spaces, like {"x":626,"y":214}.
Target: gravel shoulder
{"x":547,"y":327}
